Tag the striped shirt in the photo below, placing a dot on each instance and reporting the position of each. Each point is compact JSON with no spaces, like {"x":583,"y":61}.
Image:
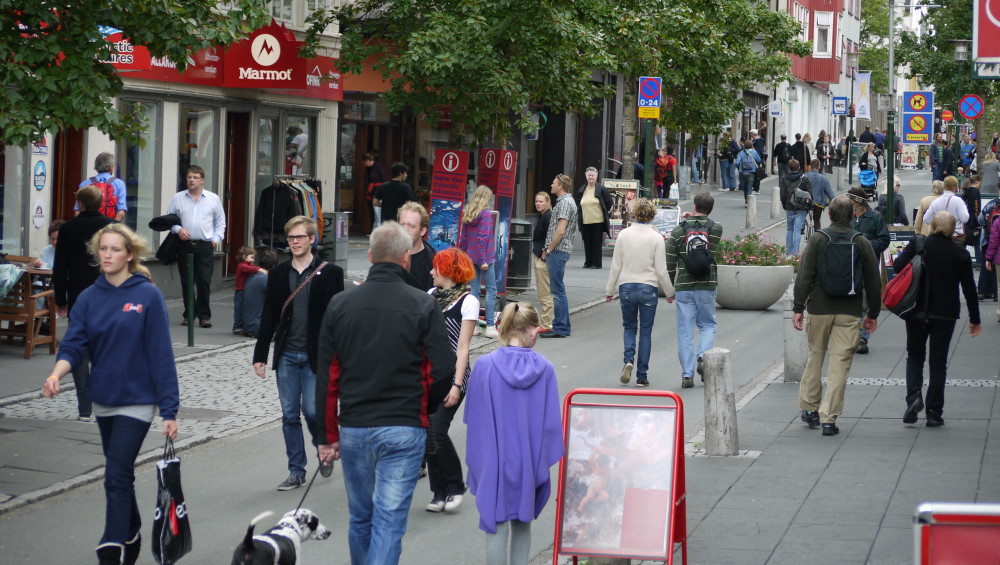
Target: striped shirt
{"x":677,"y":250}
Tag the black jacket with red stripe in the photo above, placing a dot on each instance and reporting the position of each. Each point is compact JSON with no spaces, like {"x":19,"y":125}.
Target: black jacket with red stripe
{"x":384,"y":356}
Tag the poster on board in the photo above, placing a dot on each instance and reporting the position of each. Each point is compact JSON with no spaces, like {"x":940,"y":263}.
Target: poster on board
{"x":498,"y":171}
{"x":623,"y":196}
{"x":447,"y":197}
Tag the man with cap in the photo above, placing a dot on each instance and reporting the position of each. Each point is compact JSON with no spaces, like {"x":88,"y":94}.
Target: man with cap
{"x":871,"y":224}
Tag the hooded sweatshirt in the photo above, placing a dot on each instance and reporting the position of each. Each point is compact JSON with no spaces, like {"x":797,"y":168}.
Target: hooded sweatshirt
{"x":514,"y":435}
{"x":127,"y":332}
{"x":791,"y":181}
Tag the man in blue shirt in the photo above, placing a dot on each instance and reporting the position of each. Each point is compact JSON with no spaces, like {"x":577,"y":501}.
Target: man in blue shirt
{"x":202,"y":229}
{"x":104,"y":164}
{"x":968,"y":154}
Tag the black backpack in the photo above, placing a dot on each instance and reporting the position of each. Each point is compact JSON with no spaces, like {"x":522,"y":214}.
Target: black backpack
{"x":698,"y":256}
{"x":839,"y":269}
{"x":786,"y":153}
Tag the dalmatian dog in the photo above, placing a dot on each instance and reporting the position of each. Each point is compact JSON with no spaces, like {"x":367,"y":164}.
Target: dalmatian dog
{"x":282,"y":544}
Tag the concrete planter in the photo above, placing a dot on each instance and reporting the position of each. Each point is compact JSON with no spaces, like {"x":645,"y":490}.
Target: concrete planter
{"x":751,"y":287}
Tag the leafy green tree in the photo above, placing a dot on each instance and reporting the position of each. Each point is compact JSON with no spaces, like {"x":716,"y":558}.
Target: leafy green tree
{"x":484,"y":61}
{"x":932,"y":55}
{"x":873,"y":37}
{"x":51,"y":57}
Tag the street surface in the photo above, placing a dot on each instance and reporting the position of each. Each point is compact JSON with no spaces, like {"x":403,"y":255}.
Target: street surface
{"x":791,"y":497}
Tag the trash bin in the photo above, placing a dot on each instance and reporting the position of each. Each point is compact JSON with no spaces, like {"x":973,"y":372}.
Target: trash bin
{"x":334,"y":246}
{"x":519,"y":260}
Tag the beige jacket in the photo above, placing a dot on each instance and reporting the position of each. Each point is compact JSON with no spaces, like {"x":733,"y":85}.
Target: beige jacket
{"x":640,"y":257}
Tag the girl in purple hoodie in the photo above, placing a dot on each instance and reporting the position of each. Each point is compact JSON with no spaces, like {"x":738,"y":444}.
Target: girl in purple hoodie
{"x":477,"y":240}
{"x":514,"y":436}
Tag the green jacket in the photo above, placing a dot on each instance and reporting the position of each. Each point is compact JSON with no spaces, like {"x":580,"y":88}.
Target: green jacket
{"x":809,"y":292}
{"x":676,"y":250}
{"x":871,"y":224}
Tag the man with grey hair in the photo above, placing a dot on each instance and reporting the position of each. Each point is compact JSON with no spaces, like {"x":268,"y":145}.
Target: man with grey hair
{"x":833,"y":313}
{"x":385,"y":361}
{"x":112,"y":189}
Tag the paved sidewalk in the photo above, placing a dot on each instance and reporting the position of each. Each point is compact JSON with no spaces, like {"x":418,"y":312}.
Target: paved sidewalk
{"x":793,"y":496}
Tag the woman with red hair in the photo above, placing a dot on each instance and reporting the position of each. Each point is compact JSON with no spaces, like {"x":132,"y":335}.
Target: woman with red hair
{"x":452,"y":271}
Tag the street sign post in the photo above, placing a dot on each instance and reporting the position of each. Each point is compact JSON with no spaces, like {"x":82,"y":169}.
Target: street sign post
{"x":971,"y":107}
{"x":650,"y":89}
{"x":986,"y":31}
{"x":840,"y":106}
{"x":946,"y":115}
{"x":918,"y":116}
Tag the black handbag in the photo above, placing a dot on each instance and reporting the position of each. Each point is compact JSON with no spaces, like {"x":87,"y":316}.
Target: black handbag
{"x":760,"y":173}
{"x":171,"y":528}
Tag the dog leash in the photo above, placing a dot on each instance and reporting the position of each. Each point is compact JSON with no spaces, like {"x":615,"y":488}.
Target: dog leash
{"x":306,"y":493}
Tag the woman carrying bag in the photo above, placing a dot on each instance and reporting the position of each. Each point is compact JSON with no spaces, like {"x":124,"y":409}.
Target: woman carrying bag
{"x":593,"y":202}
{"x":121,"y":320}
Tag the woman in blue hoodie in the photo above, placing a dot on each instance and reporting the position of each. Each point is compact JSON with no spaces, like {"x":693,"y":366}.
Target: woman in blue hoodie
{"x":514,"y":436}
{"x":121,"y":320}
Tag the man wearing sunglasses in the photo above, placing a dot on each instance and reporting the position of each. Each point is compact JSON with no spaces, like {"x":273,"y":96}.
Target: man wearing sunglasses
{"x":298,"y":291}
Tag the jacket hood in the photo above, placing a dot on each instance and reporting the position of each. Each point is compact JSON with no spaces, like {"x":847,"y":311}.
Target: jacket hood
{"x":519,"y":366}
{"x":794,"y":175}
{"x":135,"y":280}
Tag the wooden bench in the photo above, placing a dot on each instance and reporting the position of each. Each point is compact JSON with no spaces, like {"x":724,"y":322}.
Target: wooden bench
{"x":20,"y":317}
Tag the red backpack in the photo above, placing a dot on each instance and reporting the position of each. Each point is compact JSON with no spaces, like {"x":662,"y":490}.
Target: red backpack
{"x":109,"y":202}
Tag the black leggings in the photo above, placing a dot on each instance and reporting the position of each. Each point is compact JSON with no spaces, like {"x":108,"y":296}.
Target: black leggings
{"x":918,"y":332}
{"x":593,"y":238}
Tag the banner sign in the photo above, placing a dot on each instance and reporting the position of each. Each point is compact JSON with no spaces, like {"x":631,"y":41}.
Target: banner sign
{"x":447,"y":197}
{"x":323,"y":80}
{"x":124,"y":55}
{"x":623,"y":196}
{"x":204,"y":68}
{"x":986,"y":31}
{"x":268,"y":58}
{"x":498,"y":170}
{"x":839,"y":105}
{"x":862,"y":96}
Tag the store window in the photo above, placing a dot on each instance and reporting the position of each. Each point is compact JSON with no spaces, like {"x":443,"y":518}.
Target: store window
{"x":298,"y":149}
{"x":197,"y":145}
{"x":283,"y":9}
{"x":822,"y":44}
{"x":12,"y":199}
{"x":138,"y":170}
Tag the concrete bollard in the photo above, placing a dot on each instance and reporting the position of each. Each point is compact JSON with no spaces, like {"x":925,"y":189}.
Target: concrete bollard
{"x":796,"y":343}
{"x":752,"y":210}
{"x":776,"y":210}
{"x":721,"y":436}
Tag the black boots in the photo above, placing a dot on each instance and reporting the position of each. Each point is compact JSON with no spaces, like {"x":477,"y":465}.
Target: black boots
{"x":132,"y":548}
{"x":111,"y":554}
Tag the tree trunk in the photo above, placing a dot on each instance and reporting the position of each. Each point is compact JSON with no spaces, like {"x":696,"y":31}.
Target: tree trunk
{"x":629,"y":127}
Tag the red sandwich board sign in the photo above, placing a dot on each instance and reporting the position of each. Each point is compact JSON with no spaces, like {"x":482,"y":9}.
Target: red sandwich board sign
{"x":621,"y":490}
{"x":956,"y":532}
{"x":986,"y":31}
{"x":946,"y":115}
{"x":971,"y":107}
{"x":498,"y":170}
{"x":451,"y":170}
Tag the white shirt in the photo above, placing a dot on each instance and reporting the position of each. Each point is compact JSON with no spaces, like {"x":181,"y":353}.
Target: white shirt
{"x":952,"y":203}
{"x":204,"y":219}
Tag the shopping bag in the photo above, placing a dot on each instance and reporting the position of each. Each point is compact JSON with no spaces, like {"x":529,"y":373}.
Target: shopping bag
{"x":171,"y":529}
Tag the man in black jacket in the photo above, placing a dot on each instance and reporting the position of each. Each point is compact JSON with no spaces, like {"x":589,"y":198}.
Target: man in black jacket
{"x":415,"y":219}
{"x":298,"y":291}
{"x":385,"y":361}
{"x":782,"y":155}
{"x":73,"y":272}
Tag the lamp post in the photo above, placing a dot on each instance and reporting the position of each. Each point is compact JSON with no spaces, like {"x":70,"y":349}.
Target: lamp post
{"x":852,"y":64}
{"x":961,"y":53}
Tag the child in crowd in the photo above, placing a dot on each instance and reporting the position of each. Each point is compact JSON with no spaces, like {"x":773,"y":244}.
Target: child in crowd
{"x":254,"y":289}
{"x":514,"y":436}
{"x":244,"y":269}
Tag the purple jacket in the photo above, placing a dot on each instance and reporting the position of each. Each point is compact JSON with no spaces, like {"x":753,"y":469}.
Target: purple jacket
{"x":514,"y":435}
{"x":993,"y":250}
{"x":476,"y":239}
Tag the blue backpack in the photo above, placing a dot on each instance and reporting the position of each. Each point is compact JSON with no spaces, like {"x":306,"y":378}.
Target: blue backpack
{"x":748,"y":163}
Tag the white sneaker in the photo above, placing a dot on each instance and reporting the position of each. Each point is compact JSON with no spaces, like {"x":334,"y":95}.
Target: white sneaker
{"x":492,"y":332}
{"x":452,"y":502}
{"x":477,"y":331}
{"x":436,"y":505}
{"x":626,"y":375}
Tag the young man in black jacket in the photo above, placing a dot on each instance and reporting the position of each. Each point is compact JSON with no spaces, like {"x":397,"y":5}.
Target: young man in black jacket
{"x":385,"y":364}
{"x":298,"y":291}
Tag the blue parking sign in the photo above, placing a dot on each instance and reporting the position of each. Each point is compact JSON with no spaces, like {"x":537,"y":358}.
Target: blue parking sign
{"x":649,"y":92}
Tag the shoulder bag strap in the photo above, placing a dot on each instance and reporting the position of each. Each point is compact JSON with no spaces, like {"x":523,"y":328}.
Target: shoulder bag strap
{"x":302,"y":285}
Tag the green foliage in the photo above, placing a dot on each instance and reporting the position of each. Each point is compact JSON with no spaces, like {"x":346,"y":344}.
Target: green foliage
{"x":43,"y":92}
{"x":873,"y":38}
{"x":753,"y":249}
{"x":491,"y":61}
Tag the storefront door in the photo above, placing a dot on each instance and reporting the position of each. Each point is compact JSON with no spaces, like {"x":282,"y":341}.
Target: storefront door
{"x":237,"y":186}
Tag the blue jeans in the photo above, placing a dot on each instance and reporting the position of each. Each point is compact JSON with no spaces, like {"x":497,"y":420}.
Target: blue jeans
{"x":121,"y":440}
{"x":695,"y":165}
{"x":694,"y":308}
{"x":297,"y":393}
{"x":728,"y":174}
{"x":793,"y":230}
{"x":638,"y":310}
{"x":238,"y":311}
{"x":381,"y":467}
{"x":560,"y":304}
{"x":782,"y":171}
{"x":253,"y":302}
{"x":490,"y":276}
{"x":746,"y":185}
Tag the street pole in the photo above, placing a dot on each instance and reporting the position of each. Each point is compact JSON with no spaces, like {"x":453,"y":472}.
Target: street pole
{"x":648,"y":159}
{"x":852,"y":58}
{"x":890,"y":187}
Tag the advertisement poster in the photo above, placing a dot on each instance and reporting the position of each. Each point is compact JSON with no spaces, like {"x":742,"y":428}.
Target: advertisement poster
{"x":623,"y":195}
{"x":498,"y":170}
{"x":447,"y":197}
{"x":909,"y":156}
{"x":618,"y":480}
{"x":666,"y":220}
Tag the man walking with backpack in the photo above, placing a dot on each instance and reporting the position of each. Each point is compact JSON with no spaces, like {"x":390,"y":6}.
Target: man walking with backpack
{"x":838,"y":265}
{"x":796,"y":199}
{"x":746,"y":163}
{"x":113,"y":191}
{"x":691,"y":266}
{"x":782,"y":155}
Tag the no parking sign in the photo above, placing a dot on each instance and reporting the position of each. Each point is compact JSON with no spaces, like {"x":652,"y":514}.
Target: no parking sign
{"x":650,"y":89}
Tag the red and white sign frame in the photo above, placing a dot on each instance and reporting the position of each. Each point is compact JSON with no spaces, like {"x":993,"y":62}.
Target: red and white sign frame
{"x":956,"y":532}
{"x":986,"y":31}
